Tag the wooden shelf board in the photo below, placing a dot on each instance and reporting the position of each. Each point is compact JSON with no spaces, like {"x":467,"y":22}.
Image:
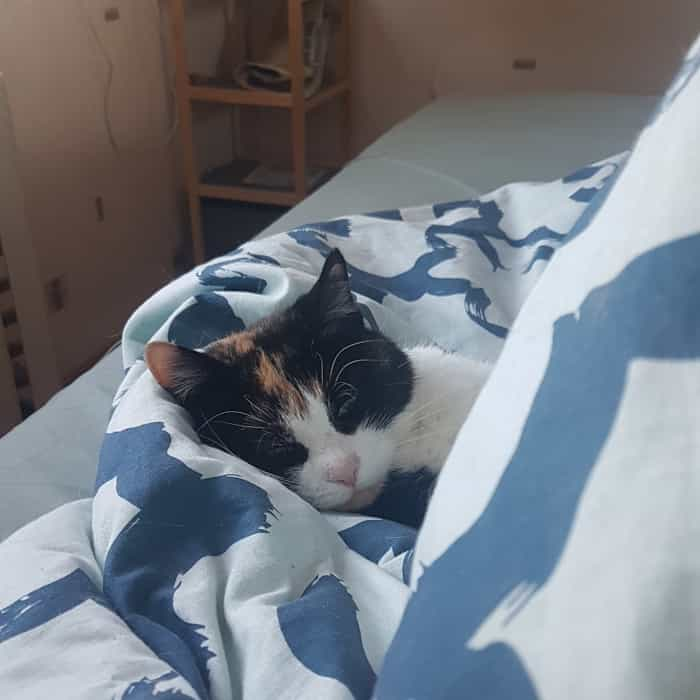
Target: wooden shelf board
{"x":228,"y":182}
{"x":327,"y":94}
{"x":249,"y":194}
{"x":233,"y":96}
{"x":264,"y":98}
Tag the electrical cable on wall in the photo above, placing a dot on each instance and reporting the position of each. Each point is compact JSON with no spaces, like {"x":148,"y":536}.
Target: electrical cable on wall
{"x":110,"y":73}
{"x":171,"y":79}
{"x":172,"y":131}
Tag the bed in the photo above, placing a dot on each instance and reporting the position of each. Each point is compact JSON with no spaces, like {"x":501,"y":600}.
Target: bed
{"x":454,"y":148}
{"x":566,"y":511}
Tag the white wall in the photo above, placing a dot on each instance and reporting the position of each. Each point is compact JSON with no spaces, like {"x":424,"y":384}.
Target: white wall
{"x":406,"y":51}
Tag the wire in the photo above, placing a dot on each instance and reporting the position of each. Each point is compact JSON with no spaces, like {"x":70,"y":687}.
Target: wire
{"x":173,"y":129}
{"x":172,"y":80}
{"x":110,"y":73}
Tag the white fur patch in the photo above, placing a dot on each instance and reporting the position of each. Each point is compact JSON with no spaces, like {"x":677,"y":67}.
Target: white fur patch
{"x":326,"y":446}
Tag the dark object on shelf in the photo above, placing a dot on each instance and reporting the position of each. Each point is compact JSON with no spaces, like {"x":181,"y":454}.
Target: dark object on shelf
{"x":229,"y":224}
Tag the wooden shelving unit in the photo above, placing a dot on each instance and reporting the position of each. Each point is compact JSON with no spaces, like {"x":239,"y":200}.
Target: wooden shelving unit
{"x":294,"y":101}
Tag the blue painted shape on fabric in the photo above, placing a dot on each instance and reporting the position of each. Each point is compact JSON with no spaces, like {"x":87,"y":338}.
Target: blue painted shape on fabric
{"x":467,"y":228}
{"x":220,"y":275}
{"x":493,"y":328}
{"x":596,"y":204}
{"x":387,"y":215}
{"x":183,"y":517}
{"x":443,"y":208}
{"x":476,"y":301}
{"x":583,"y":173}
{"x":47,"y":603}
{"x":515,"y":544}
{"x":584,"y":194}
{"x":543,"y":252}
{"x":239,"y":255}
{"x":372,"y":539}
{"x":209,"y":318}
{"x":147,"y":689}
{"x":487,"y":223}
{"x":404,"y":498}
{"x":322,"y":631}
{"x":406,"y":566}
{"x":337,"y":227}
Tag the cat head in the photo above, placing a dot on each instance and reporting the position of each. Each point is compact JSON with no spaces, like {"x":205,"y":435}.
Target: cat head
{"x":308,"y":394}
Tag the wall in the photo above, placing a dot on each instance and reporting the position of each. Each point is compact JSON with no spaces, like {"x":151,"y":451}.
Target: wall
{"x":57,"y":67}
{"x":406,"y":51}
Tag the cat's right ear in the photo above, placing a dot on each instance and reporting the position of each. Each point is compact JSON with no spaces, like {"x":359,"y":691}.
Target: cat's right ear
{"x":332,"y":295}
{"x":178,"y":370}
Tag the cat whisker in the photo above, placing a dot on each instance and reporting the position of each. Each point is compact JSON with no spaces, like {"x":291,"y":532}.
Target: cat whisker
{"x":226,"y":413}
{"x":284,"y":480}
{"x":427,"y":404}
{"x":241,"y":425}
{"x":419,"y":438}
{"x":355,"y":362}
{"x":348,"y":347}
{"x":219,"y":441}
{"x":320,"y":359}
{"x":266,"y":413}
{"x":262,"y":437}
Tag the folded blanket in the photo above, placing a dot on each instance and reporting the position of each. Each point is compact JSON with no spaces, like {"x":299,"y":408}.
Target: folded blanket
{"x":190,"y":574}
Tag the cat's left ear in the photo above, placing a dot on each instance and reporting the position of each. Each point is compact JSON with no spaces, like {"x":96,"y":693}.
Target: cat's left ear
{"x":332,"y":293}
{"x":180,"y":371}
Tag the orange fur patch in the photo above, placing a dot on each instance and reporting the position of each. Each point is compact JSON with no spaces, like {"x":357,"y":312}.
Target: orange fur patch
{"x":233,"y":346}
{"x":272,"y":379}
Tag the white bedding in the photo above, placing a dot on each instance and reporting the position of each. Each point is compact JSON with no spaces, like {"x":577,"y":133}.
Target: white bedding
{"x":452,"y":149}
{"x":199,"y":576}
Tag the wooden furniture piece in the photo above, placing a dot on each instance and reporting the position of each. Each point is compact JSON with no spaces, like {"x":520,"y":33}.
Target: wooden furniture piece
{"x":28,"y":369}
{"x":294,"y":102}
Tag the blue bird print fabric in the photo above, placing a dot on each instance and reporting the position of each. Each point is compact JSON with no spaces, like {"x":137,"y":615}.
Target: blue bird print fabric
{"x":557,"y":554}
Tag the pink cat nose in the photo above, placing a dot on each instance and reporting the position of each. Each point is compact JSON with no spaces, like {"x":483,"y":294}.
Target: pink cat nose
{"x":344,"y":471}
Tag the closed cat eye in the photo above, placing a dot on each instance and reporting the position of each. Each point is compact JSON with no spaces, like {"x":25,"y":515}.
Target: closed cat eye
{"x":344,"y":406}
{"x":342,"y":400}
{"x":283,"y":449}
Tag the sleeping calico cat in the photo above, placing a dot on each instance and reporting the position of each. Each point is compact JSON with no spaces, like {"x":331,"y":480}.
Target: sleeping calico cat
{"x":325,"y":405}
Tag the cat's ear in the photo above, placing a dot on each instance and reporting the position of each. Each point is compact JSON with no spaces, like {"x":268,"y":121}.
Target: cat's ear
{"x":332,"y":292}
{"x":180,"y":371}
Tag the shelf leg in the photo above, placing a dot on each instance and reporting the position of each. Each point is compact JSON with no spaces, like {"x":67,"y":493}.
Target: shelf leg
{"x":296,"y":66}
{"x":347,"y":75}
{"x":177,"y":22}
